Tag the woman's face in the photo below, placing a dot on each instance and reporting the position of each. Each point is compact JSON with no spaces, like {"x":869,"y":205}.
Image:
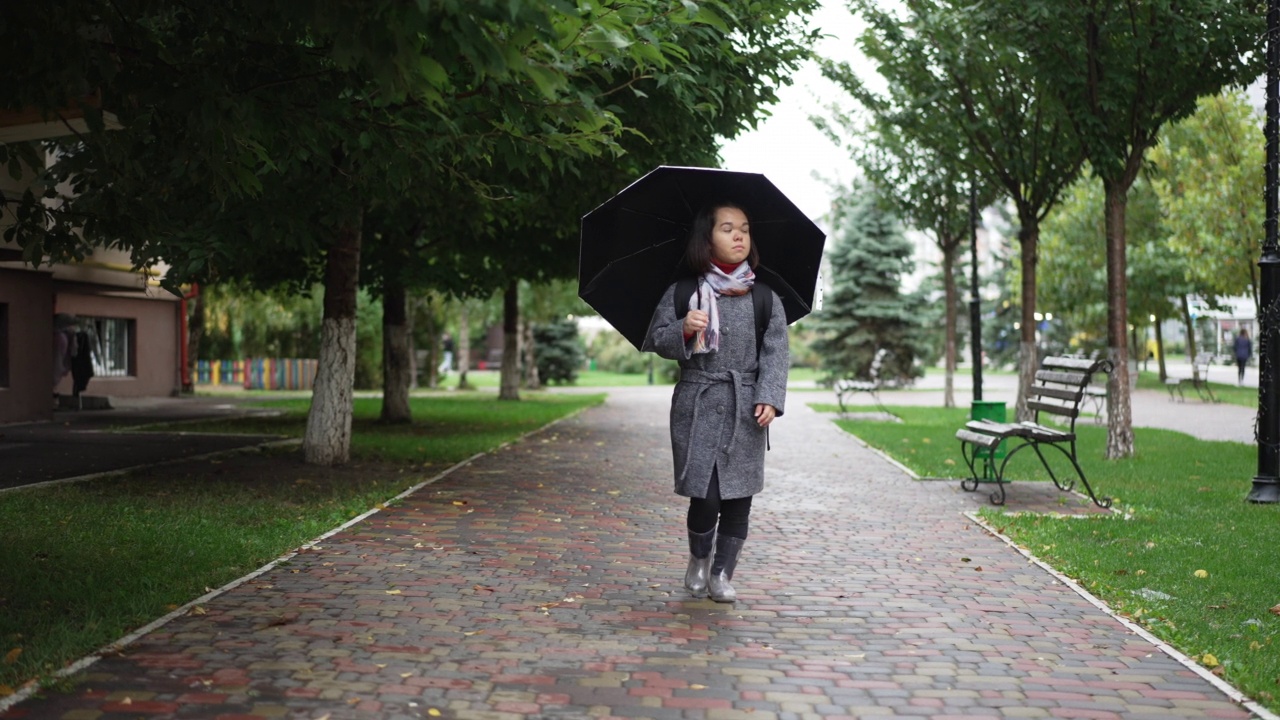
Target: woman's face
{"x":730,"y":236}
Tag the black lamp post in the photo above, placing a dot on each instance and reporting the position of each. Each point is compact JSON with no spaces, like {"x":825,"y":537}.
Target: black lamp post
{"x":1266,"y":484}
{"x":975,"y":317}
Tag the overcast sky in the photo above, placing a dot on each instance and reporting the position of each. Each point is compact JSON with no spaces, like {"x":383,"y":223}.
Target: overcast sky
{"x":786,"y":147}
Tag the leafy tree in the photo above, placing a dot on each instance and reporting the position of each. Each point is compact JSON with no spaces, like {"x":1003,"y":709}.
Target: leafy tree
{"x":1074,"y":262}
{"x":956,"y":81}
{"x":257,"y":137}
{"x":931,"y":191}
{"x":1206,"y":174}
{"x":1121,"y":70}
{"x":866,"y":309}
{"x":560,"y":352}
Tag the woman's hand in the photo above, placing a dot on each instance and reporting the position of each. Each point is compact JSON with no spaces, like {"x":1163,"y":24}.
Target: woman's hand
{"x":695,"y":322}
{"x":765,"y":414}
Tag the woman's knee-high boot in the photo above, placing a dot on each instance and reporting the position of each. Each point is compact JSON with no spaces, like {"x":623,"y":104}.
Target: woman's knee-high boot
{"x":727,"y":551}
{"x":700,"y":545}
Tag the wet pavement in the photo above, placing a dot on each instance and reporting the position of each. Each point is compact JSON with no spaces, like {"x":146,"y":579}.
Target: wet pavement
{"x":543,"y":581}
{"x":86,"y":443}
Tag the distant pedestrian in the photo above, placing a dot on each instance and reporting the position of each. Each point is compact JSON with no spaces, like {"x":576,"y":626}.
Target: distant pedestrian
{"x":729,"y":392}
{"x":1244,"y":350}
{"x":446,"y":355}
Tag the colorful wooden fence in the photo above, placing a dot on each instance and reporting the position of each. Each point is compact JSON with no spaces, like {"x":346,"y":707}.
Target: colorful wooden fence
{"x":259,"y":373}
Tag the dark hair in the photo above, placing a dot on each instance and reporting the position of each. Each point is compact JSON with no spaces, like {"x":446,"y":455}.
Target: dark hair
{"x":697,"y":254}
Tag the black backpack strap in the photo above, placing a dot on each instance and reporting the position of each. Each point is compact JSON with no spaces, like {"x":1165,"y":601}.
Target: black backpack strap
{"x":684,"y":290}
{"x":762,"y":302}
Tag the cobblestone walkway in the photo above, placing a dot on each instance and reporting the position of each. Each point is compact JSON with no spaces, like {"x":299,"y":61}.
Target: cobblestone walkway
{"x":543,"y":581}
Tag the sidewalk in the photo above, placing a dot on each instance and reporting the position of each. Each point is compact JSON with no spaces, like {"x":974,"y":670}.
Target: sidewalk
{"x":543,"y":581}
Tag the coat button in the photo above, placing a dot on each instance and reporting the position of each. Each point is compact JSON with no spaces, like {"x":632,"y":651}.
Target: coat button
{"x":720,"y":409}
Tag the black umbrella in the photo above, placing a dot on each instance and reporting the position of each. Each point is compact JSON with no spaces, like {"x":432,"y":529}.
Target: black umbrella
{"x":633,"y":244}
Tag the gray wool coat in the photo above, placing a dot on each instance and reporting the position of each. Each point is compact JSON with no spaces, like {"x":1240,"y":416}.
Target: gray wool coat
{"x":713,"y":421}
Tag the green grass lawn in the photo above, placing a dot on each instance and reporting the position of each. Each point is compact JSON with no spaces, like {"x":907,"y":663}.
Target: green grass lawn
{"x":84,"y":563}
{"x":1185,"y":556}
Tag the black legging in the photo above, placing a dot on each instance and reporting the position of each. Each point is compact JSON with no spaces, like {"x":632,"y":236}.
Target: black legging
{"x":733,"y":514}
{"x":1240,"y":363}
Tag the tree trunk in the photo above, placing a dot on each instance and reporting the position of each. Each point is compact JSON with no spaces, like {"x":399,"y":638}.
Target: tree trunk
{"x":1119,"y":411}
{"x":509,"y":383}
{"x":1164,"y":374}
{"x":1191,"y":336}
{"x":464,"y":345}
{"x":530,"y":351}
{"x":327,"y":440}
{"x":396,"y":364}
{"x":1028,"y":355}
{"x":195,"y":333}
{"x":949,"y":354}
{"x":410,"y":309}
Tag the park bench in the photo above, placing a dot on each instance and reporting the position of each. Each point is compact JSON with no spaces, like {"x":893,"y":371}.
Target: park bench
{"x":1058,"y":390}
{"x":1199,"y":380}
{"x":847,"y":387}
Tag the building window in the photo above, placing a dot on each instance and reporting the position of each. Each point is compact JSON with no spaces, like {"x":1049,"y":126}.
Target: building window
{"x":4,"y":345}
{"x":113,"y":347}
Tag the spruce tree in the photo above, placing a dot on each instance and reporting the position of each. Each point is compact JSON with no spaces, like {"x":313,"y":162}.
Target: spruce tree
{"x":866,"y":309}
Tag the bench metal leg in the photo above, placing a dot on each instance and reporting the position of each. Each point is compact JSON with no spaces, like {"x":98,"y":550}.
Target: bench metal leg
{"x":990,"y":474}
{"x":993,"y":473}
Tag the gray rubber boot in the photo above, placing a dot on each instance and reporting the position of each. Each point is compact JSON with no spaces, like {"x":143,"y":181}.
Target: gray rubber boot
{"x":727,"y":551}
{"x":695,"y":578}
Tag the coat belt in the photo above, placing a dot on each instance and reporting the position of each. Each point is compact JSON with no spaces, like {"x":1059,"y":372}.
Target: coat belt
{"x":737,"y":378}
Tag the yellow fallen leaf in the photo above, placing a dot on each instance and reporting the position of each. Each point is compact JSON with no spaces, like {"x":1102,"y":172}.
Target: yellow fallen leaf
{"x":696,"y":686}
{"x":433,"y":712}
{"x":459,"y":502}
{"x":1202,"y":573}
{"x":11,"y":657}
{"x":5,"y":691}
{"x":1255,"y":645}
{"x":393,"y":592}
{"x":1208,"y":660}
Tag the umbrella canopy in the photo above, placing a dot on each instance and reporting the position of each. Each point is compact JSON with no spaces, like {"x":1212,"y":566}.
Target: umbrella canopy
{"x":633,"y":245}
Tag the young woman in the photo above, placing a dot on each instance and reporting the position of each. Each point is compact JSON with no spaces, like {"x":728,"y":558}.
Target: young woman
{"x":729,"y":392}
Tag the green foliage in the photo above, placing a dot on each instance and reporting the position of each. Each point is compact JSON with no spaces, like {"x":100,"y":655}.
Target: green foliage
{"x":560,"y":354}
{"x":866,"y":309}
{"x":1207,"y":178}
{"x":241,"y":322}
{"x":1073,"y":261}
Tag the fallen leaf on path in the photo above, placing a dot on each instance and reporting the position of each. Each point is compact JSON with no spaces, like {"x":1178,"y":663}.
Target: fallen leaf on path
{"x":393,"y":592}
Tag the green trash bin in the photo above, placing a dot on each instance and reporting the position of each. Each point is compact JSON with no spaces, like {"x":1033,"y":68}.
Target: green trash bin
{"x":988,"y":410}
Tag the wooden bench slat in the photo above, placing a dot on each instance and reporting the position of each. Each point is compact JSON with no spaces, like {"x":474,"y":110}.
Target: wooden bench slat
{"x":979,"y":439}
{"x":1061,"y":378}
{"x":991,"y":427}
{"x":1072,"y":363}
{"x":1047,"y":434}
{"x":1070,"y":411}
{"x":1055,"y":392}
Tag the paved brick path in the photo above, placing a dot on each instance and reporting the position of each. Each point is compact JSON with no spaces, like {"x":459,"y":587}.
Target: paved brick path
{"x":543,"y":581}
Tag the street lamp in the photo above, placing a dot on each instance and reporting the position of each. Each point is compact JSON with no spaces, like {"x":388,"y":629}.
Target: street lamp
{"x":1266,"y":484}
